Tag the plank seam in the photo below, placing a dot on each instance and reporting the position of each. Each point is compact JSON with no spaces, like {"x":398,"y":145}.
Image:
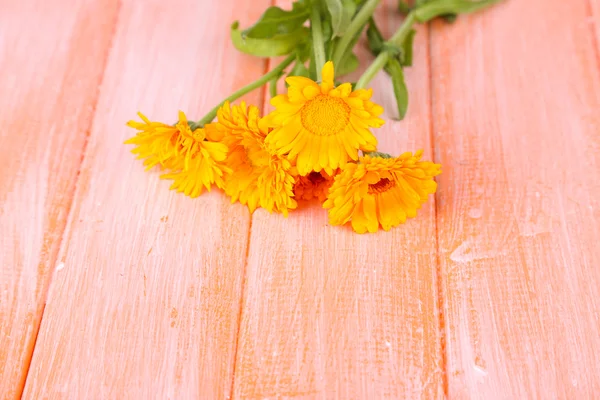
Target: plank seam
{"x":438,"y":267}
{"x":262,"y":98}
{"x":240,"y":311}
{"x":54,"y":256}
{"x":593,"y":28}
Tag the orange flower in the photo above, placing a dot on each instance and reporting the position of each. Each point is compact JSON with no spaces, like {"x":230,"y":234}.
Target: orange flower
{"x":258,"y":177}
{"x":320,"y":126}
{"x":381,"y":191}
{"x":314,"y":185}
{"x":195,"y":163}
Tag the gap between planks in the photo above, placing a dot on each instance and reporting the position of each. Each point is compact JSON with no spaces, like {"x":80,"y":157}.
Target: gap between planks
{"x":441,"y":297}
{"x":71,"y":196}
{"x":262,"y":100}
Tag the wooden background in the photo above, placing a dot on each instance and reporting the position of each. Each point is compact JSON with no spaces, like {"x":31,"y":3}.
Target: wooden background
{"x":114,"y":287}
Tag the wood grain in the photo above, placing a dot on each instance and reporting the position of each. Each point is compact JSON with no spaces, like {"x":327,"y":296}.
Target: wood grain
{"x":147,"y":285}
{"x":49,"y":78}
{"x":328,"y":313}
{"x":593,"y":20}
{"x":146,"y":301}
{"x":516,"y":94}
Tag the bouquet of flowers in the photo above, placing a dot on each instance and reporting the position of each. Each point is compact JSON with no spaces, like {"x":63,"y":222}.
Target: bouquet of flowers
{"x":318,"y":142}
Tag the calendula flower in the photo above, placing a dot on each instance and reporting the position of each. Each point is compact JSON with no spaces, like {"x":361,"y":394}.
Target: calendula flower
{"x":322,"y":127}
{"x":258,"y":177}
{"x":195,"y":163}
{"x":381,"y":191}
{"x":314,"y":185}
{"x":155,"y":142}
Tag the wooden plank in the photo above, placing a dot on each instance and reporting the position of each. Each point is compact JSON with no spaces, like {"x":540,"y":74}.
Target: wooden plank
{"x":516,"y":94}
{"x":593,"y":20}
{"x":328,"y":313}
{"x":52,"y":55}
{"x":146,"y":302}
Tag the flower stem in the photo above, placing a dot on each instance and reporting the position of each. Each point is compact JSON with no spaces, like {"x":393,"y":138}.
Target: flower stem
{"x":404,"y":30}
{"x":373,"y":69}
{"x":384,"y":56}
{"x":355,"y":26}
{"x":317,"y":36}
{"x":248,"y":88}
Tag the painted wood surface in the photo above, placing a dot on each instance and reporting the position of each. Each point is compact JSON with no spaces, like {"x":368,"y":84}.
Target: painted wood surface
{"x":147,"y":299}
{"x":328,"y":313}
{"x":516,"y":105}
{"x":52,"y":59}
{"x":155,"y":295}
{"x":594,"y":22}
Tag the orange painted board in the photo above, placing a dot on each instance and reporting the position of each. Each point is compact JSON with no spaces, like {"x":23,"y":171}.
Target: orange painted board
{"x":328,"y":313}
{"x":146,"y":301}
{"x":593,"y":20}
{"x":52,"y":56}
{"x":516,"y":94}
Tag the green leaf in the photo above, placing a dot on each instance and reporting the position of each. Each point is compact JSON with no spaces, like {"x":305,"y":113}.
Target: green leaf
{"x":347,"y":65}
{"x":341,"y":12}
{"x":276,"y":21}
{"x":450,"y":18}
{"x":327,"y":29}
{"x":377,"y":44}
{"x":304,"y":52}
{"x":277,"y":45}
{"x":403,"y":7}
{"x":407,"y":49}
{"x":348,"y":51}
{"x":394,"y":68}
{"x":374,"y":38}
{"x":327,"y":37}
{"x":312,"y":67}
{"x":299,"y":69}
{"x":437,"y":8}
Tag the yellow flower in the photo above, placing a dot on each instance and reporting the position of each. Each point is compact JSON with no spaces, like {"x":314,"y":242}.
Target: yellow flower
{"x":314,"y":185}
{"x":322,"y":127}
{"x":258,"y":178}
{"x":381,"y":191}
{"x":203,"y":168}
{"x":195,"y":163}
{"x":155,"y":142}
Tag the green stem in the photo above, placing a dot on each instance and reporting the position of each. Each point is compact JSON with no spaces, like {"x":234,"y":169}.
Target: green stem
{"x":273,"y":87}
{"x":384,"y":56}
{"x":248,"y":88}
{"x":355,"y":26}
{"x":404,"y":30}
{"x":373,"y":69}
{"x":317,"y":38}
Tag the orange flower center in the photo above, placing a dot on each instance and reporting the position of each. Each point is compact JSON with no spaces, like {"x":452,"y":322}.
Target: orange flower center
{"x":316,"y":178}
{"x":325,"y":115}
{"x":382,"y":186}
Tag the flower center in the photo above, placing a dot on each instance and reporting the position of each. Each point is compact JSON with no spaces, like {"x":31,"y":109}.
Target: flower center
{"x":316,"y":178}
{"x":325,"y":115}
{"x":382,"y":186}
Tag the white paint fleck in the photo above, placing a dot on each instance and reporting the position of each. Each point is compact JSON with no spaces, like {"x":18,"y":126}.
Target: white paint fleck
{"x":480,"y":371}
{"x":60,"y":266}
{"x":476,"y":249}
{"x":388,"y":344}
